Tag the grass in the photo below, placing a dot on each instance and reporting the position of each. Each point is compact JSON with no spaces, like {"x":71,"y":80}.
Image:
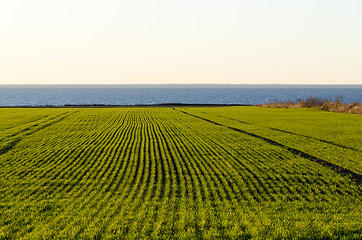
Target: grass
{"x":180,"y":173}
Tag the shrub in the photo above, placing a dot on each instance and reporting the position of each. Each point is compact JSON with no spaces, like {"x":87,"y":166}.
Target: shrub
{"x":325,"y":104}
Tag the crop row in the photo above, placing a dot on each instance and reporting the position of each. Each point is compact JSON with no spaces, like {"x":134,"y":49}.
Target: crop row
{"x":150,"y":172}
{"x":343,"y":154}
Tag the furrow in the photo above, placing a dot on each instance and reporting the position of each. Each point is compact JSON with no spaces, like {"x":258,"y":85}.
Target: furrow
{"x":333,"y":166}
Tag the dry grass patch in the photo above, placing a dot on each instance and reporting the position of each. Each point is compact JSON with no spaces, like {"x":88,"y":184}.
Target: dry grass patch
{"x":325,"y":104}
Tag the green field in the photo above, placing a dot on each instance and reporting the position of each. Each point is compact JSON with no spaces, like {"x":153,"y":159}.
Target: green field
{"x":180,"y":173}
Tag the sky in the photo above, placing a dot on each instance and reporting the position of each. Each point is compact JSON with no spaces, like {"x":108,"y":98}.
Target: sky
{"x":181,"y":42}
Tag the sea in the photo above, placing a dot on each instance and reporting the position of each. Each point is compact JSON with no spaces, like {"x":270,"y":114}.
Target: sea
{"x":153,"y":94}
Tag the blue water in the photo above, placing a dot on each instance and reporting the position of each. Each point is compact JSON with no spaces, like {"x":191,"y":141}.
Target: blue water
{"x":156,"y":94}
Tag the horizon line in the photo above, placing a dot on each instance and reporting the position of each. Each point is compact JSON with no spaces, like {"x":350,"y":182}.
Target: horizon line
{"x":9,"y":84}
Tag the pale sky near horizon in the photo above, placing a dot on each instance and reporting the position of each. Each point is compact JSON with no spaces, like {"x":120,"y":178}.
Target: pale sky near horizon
{"x":189,"y":41}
